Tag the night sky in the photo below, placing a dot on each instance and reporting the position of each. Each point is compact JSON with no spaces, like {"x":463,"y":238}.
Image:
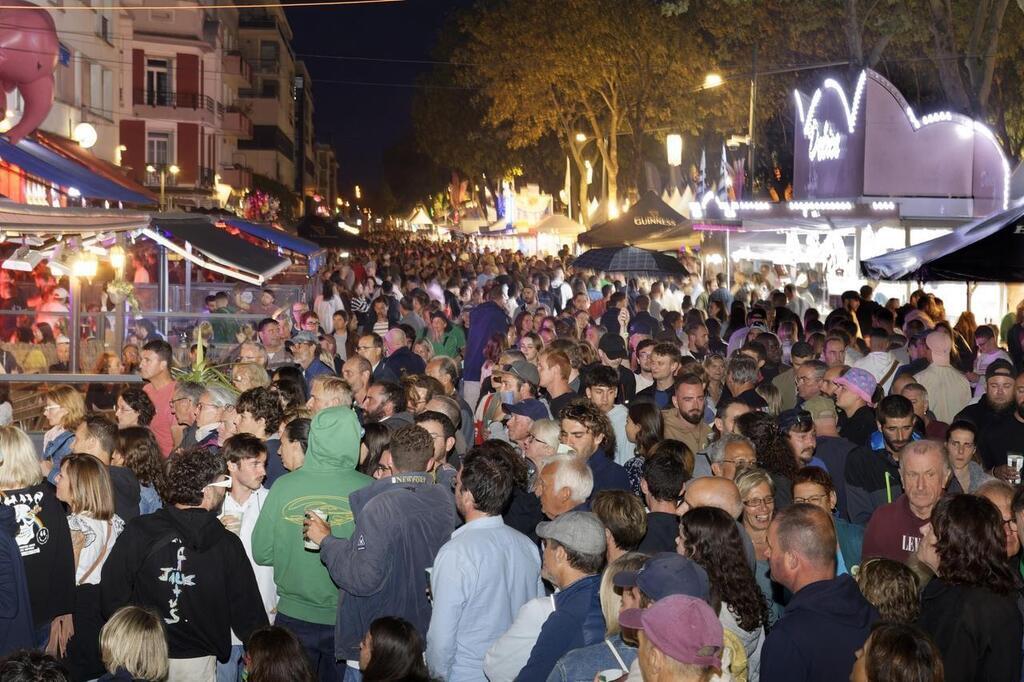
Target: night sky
{"x":361,"y":121}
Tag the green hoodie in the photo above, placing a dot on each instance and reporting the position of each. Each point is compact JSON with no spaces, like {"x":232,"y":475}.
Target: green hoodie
{"x":324,"y":482}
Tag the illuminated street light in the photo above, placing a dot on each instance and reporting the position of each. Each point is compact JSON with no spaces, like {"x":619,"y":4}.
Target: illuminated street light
{"x":674,"y":149}
{"x":712,"y":80}
{"x":359,"y":192}
{"x":581,"y":138}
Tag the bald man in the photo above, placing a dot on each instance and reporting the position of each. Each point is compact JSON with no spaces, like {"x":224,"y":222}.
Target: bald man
{"x":948,"y":388}
{"x":809,"y":642}
{"x":401,"y":360}
{"x":721,"y":493}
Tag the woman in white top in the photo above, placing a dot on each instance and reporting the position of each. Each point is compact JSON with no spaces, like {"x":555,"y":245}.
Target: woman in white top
{"x":83,"y":484}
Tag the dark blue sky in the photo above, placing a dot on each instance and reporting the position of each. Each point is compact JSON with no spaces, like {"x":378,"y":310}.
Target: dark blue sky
{"x":363,"y":120}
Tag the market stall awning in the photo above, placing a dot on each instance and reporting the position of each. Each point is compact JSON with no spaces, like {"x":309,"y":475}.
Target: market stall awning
{"x":986,"y":250}
{"x":220,"y":246}
{"x":72,"y":150}
{"x":314,"y":253}
{"x":46,"y":164}
{"x":649,"y":217}
{"x":47,"y":220}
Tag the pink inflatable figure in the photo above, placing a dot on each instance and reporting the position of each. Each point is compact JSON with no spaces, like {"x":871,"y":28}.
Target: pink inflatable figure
{"x":29,"y":51}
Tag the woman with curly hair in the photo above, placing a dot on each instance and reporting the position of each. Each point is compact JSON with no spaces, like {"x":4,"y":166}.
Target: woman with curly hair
{"x":134,"y":408}
{"x":138,"y":450}
{"x":773,"y":453}
{"x":711,"y":538}
{"x":970,"y":607}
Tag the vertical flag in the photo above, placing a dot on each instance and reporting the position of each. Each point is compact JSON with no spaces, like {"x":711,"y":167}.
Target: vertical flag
{"x":724,"y":179}
{"x":702,"y":180}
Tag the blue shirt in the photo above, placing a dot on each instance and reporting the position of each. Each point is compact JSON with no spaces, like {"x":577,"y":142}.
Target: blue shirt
{"x":315,"y":369}
{"x":481,"y":577}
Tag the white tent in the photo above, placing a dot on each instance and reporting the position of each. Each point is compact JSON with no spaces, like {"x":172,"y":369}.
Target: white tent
{"x":558,"y":224}
{"x":420,"y":219}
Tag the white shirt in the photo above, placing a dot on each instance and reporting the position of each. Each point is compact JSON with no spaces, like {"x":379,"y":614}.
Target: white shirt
{"x":99,"y":540}
{"x":250,"y":512}
{"x":510,"y":652}
{"x":617,"y":416}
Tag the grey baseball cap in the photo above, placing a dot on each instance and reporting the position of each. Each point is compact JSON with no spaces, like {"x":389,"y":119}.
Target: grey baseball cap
{"x":580,"y":531}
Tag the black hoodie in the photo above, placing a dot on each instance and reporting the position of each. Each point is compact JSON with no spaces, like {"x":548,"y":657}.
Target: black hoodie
{"x":194,"y":572}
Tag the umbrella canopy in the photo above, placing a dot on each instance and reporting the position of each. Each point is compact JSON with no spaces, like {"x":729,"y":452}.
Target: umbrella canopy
{"x":986,"y":250}
{"x":646,"y":219}
{"x":631,"y":260}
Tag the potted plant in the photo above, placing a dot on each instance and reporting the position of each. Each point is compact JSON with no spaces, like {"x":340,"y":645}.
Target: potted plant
{"x":120,"y":290}
{"x":201,"y":372}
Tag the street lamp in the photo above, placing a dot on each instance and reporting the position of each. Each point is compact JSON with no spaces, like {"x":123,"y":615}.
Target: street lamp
{"x":712,"y":80}
{"x":674,"y":149}
{"x":581,"y":138}
{"x":163,"y":170}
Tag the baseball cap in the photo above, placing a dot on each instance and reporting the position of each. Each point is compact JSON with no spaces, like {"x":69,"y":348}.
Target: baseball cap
{"x":820,"y":406}
{"x":667,"y":573}
{"x":861,"y":382}
{"x":60,"y":293}
{"x":579,"y":531}
{"x":682,"y":627}
{"x":1000,"y":367}
{"x":522,"y":369}
{"x":306,"y":337}
{"x":791,"y":418}
{"x":613,"y":346}
{"x":531,"y":407}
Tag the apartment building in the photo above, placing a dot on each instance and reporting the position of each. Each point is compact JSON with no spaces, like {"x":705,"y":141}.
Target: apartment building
{"x":265,"y":38}
{"x":182,"y":121}
{"x":326,"y":178}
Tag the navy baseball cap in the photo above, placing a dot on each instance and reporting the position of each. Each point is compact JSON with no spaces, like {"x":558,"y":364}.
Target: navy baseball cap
{"x":531,"y":407}
{"x":667,"y":573}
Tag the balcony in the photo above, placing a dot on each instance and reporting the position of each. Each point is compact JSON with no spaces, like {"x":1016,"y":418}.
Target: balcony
{"x":237,"y":69}
{"x":254,"y":20}
{"x":238,"y":177}
{"x":237,"y":123}
{"x":179,"y":106}
{"x":206,"y":177}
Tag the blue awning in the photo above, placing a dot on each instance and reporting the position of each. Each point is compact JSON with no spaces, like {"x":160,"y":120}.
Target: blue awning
{"x":314,"y":253}
{"x":37,"y":160}
{"x":225,"y":248}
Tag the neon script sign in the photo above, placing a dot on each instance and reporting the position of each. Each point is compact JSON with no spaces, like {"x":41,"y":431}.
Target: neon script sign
{"x":824,"y":143}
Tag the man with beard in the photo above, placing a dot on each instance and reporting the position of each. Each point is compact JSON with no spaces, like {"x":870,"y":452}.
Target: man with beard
{"x":873,"y":476}
{"x":1004,"y":436}
{"x":798,"y":429}
{"x":997,"y":403}
{"x":385,"y":403}
{"x":684,"y":421}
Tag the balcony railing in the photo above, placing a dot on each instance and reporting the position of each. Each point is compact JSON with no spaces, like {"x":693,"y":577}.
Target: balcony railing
{"x":235,"y":121}
{"x":178,"y":100}
{"x":206,"y":177}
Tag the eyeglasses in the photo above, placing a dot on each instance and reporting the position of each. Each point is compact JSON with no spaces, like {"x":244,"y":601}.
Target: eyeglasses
{"x":813,"y":499}
{"x":1010,"y":523}
{"x":50,"y":408}
{"x":740,"y":463}
{"x":759,"y":502}
{"x":176,"y":401}
{"x":205,"y":405}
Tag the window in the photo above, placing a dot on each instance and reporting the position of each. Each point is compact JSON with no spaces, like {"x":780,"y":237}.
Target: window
{"x":159,"y":148}
{"x":96,"y":88}
{"x":104,"y":27}
{"x":158,"y":82}
{"x":270,"y":88}
{"x":270,"y":53}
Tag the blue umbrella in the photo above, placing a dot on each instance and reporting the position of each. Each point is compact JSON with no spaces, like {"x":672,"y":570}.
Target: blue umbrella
{"x":631,"y":260}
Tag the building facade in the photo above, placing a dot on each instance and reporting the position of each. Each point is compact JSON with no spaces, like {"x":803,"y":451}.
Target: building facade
{"x":326,"y":179}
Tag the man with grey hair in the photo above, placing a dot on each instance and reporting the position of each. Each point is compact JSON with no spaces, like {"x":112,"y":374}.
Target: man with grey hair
{"x":184,"y":406}
{"x":250,"y":351}
{"x":741,"y":379}
{"x":894,"y":531}
{"x":730,"y":454}
{"x":564,"y":483}
{"x":210,"y":416}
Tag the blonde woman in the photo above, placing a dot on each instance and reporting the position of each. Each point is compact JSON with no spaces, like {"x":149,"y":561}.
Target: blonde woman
{"x":63,"y":408}
{"x":134,"y":646}
{"x":246,"y":375}
{"x":43,"y":539}
{"x":83,"y":484}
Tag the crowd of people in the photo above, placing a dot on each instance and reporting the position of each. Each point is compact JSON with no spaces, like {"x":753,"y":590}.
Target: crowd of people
{"x":462,"y":465}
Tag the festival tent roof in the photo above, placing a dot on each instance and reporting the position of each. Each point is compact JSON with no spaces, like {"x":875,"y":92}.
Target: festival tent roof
{"x":45,"y":220}
{"x":420,"y":218}
{"x":558,"y":224}
{"x":643,"y":223}
{"x":328,"y":234}
{"x":73,"y":150}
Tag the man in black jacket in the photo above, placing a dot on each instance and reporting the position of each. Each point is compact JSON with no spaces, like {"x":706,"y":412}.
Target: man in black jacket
{"x":182,"y":563}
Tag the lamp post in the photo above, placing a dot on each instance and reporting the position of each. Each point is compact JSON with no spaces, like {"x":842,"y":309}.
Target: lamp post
{"x":163,"y":170}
